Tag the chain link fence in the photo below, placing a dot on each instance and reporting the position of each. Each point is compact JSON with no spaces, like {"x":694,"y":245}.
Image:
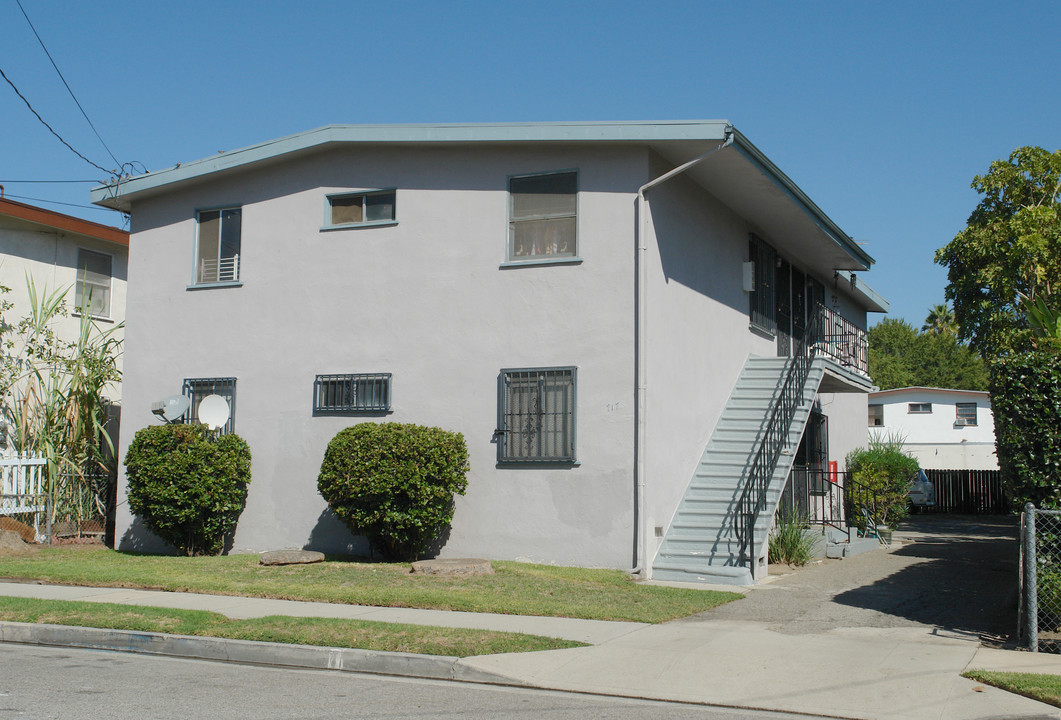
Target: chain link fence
{"x":1040,"y":581}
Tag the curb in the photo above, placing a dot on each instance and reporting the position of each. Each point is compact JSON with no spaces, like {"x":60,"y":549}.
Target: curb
{"x":249,"y":652}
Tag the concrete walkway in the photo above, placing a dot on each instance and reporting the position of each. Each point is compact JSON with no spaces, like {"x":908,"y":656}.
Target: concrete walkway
{"x":857,"y":638}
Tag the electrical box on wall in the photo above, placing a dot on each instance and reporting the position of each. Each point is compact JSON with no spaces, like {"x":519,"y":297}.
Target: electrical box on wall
{"x":748,"y":276}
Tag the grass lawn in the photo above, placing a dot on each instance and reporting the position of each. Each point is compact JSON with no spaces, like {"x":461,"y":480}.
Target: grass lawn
{"x":1044,"y":688}
{"x":514,"y":589}
{"x":329,"y":632}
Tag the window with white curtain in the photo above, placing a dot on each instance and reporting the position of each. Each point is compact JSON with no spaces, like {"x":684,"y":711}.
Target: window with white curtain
{"x":543,"y":216}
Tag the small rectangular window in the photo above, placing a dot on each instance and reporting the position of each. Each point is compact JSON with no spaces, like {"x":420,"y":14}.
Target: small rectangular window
{"x":364,"y":208}
{"x":536,"y":415}
{"x":876,"y":415}
{"x":543,"y":216}
{"x":965,"y":414}
{"x":198,"y":388}
{"x":919,"y":408}
{"x":217,"y":258}
{"x":92,"y":295}
{"x":352,"y":393}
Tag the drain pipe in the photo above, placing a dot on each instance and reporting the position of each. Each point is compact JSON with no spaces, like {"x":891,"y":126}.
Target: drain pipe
{"x":641,"y":344}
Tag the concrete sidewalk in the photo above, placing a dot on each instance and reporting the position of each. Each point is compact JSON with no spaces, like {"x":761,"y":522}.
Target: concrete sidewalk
{"x":886,"y":673}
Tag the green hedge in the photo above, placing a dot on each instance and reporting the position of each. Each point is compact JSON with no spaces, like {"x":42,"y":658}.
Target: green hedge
{"x":880,"y":480}
{"x":187,"y":487}
{"x":1026,"y":403}
{"x":394,"y":483}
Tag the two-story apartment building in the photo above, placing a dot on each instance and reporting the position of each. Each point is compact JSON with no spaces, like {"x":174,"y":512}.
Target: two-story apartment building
{"x":606,"y":311}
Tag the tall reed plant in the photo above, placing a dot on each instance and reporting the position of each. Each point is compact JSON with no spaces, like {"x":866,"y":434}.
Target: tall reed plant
{"x":54,"y":394}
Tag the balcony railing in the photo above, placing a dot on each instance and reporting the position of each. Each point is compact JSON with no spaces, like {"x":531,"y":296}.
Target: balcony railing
{"x":225,"y":269}
{"x":842,"y":341}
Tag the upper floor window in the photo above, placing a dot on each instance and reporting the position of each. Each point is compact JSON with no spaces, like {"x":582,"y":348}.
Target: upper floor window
{"x":352,"y":393}
{"x":543,"y":216}
{"x":876,"y":415}
{"x":217,"y":256}
{"x":919,"y":407}
{"x":364,"y":208}
{"x":536,"y":415}
{"x":965,"y":413}
{"x":198,"y":388}
{"x":92,"y":295}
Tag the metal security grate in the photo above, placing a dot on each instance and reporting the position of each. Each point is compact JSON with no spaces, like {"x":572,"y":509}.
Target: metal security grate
{"x":352,"y":393}
{"x":761,"y":298}
{"x":536,"y":415}
{"x":198,"y":388}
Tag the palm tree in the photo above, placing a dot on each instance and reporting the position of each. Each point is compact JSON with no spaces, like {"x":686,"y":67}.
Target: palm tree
{"x":940,"y":321}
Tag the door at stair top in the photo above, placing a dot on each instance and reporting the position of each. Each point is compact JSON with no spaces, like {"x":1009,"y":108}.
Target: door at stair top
{"x":791,"y":306}
{"x":783,"y":307}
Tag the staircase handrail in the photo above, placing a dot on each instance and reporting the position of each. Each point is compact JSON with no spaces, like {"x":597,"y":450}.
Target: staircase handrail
{"x":753,"y":500}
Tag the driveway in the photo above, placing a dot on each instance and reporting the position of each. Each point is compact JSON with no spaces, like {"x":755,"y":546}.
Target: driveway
{"x":954,"y":574}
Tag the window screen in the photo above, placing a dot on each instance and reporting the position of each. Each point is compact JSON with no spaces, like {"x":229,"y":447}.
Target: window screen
{"x":93,"y":292}
{"x":543,"y":216}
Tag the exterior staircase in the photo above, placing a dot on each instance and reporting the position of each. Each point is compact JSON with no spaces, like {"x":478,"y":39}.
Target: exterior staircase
{"x":701,"y":544}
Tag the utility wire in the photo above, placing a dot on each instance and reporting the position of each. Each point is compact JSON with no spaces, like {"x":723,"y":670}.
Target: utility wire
{"x":13,"y":182}
{"x":65,"y":83}
{"x":64,"y":142}
{"x":56,"y":202}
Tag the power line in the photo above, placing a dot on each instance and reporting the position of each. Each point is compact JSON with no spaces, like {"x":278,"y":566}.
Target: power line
{"x":64,"y":81}
{"x":13,"y":182}
{"x":64,"y":142}
{"x":56,"y":202}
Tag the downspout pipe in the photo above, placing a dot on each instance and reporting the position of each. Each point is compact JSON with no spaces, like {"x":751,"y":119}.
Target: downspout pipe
{"x":641,"y":344}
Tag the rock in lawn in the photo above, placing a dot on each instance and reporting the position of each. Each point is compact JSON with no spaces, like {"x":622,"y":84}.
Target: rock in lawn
{"x":459,"y":567}
{"x":290,"y":557}
{"x":12,"y":544}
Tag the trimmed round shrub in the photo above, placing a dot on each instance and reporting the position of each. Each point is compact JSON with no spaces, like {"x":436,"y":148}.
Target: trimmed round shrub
{"x":394,"y":483}
{"x":188,"y":487}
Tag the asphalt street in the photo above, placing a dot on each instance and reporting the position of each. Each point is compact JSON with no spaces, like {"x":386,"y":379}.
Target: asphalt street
{"x":68,"y":684}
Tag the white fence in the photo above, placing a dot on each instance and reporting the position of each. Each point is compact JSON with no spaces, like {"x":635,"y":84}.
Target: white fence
{"x":22,"y":486}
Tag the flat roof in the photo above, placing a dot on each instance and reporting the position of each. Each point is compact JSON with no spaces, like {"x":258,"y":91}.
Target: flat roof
{"x":923,"y":388}
{"x":67,"y":223}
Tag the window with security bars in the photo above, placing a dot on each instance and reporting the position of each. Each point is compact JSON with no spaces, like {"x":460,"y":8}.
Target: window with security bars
{"x":536,"y":411}
{"x":352,"y":393}
{"x":195,"y":389}
{"x":761,"y":298}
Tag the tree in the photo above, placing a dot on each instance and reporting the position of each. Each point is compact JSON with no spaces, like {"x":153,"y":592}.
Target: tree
{"x":940,"y":321}
{"x":1011,"y":246}
{"x":899,"y":356}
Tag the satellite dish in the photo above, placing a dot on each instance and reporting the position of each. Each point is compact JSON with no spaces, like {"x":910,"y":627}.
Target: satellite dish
{"x":213,"y":411}
{"x":172,"y":408}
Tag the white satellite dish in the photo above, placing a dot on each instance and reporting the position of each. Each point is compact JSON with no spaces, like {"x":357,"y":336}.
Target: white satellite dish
{"x":172,"y":408}
{"x":213,"y":411}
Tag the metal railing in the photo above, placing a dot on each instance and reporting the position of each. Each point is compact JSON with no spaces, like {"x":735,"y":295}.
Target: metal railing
{"x":842,"y":340}
{"x":832,"y":499}
{"x":225,"y":269}
{"x":753,"y":500}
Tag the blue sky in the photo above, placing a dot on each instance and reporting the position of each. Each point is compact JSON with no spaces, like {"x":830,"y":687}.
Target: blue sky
{"x":881,"y":112}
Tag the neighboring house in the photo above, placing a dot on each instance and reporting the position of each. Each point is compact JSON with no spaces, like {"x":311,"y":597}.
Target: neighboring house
{"x":944,"y":429}
{"x":604,"y":310}
{"x":63,"y":252}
